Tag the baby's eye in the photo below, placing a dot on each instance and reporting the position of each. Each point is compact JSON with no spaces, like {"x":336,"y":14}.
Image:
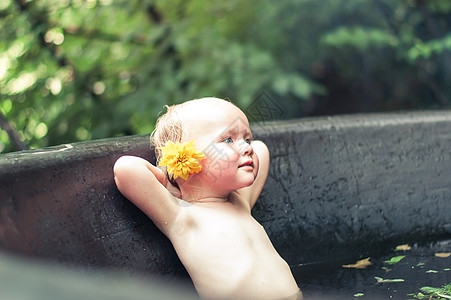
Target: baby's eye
{"x":249,"y":141}
{"x":228,"y":140}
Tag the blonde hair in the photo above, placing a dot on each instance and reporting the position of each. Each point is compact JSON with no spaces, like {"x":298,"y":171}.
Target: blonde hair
{"x":169,"y":127}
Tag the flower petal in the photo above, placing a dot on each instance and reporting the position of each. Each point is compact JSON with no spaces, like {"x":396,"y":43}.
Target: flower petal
{"x":181,"y":160}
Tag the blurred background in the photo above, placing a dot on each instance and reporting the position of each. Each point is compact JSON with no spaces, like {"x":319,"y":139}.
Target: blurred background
{"x":76,"y":70}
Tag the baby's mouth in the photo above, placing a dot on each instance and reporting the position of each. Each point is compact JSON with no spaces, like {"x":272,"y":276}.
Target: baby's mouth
{"x":247,"y":164}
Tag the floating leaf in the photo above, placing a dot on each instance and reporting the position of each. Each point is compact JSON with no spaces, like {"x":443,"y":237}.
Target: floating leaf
{"x":358,"y":295}
{"x":431,"y":271}
{"x":395,"y":259}
{"x":381,"y":280}
{"x":421,"y":296}
{"x":405,"y":247}
{"x":443,"y":292}
{"x":443,"y":254}
{"x":361,"y":264}
{"x":420,"y":264}
{"x":430,"y":290}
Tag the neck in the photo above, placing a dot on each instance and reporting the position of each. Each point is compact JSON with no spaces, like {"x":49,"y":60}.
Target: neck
{"x":193,"y":192}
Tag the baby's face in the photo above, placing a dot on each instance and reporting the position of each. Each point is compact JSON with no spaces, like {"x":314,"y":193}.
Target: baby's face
{"x":223,"y":134}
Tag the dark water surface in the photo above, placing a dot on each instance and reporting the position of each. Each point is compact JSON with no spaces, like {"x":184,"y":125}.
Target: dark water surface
{"x":420,"y":267}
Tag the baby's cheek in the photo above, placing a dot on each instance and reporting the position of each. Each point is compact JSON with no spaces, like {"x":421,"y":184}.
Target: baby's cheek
{"x":216,"y":168}
{"x":233,"y":155}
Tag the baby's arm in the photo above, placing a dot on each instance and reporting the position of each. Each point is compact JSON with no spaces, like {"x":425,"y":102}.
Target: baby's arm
{"x":145,"y":186}
{"x":252,"y":192}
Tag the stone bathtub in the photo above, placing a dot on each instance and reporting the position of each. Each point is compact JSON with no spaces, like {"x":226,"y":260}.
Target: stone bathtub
{"x":338,"y":187}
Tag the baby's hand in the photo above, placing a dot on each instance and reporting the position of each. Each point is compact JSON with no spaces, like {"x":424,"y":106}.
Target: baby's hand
{"x":164,"y":180}
{"x":174,"y":190}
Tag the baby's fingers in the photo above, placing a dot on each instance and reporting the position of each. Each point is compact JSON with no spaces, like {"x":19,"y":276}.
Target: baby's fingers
{"x":175,"y":191}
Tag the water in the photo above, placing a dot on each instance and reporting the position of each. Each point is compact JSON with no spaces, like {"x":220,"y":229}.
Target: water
{"x":420,"y":267}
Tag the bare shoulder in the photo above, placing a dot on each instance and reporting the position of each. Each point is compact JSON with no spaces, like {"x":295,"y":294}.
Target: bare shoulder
{"x":145,"y":186}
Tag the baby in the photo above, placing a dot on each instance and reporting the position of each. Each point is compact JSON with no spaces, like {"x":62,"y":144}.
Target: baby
{"x":202,"y":201}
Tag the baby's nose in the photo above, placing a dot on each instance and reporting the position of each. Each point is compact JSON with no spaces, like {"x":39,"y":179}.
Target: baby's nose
{"x":245,"y":148}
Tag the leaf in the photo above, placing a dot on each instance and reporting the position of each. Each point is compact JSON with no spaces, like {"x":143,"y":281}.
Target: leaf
{"x":420,"y":264}
{"x":443,"y":254}
{"x":300,"y":86}
{"x":381,"y":280}
{"x":443,"y":292}
{"x":395,"y":259}
{"x":405,"y":247}
{"x":359,"y":295}
{"x":421,"y":296}
{"x":430,"y":290}
{"x":361,"y":264}
{"x":386,"y":269}
{"x":359,"y":37}
{"x":431,"y":271}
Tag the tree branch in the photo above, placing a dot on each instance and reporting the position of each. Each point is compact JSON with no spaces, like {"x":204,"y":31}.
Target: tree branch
{"x":154,"y":14}
{"x":12,"y":133}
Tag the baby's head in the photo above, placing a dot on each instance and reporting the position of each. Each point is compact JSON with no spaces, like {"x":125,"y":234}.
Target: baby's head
{"x":219,"y":130}
{"x":176,"y":124}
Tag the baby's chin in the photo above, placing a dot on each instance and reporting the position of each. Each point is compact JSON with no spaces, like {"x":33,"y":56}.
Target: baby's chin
{"x":249,"y":183}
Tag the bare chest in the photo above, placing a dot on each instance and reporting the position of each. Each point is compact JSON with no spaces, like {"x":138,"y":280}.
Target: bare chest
{"x":230,"y":248}
{"x":224,"y":234}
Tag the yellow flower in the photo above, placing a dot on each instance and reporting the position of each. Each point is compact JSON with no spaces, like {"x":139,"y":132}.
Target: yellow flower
{"x":182,"y":160}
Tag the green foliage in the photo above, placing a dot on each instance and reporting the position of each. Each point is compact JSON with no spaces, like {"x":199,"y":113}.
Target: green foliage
{"x":395,"y":259}
{"x":427,"y":49}
{"x":359,"y":38}
{"x":427,"y":292}
{"x":72,"y":70}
